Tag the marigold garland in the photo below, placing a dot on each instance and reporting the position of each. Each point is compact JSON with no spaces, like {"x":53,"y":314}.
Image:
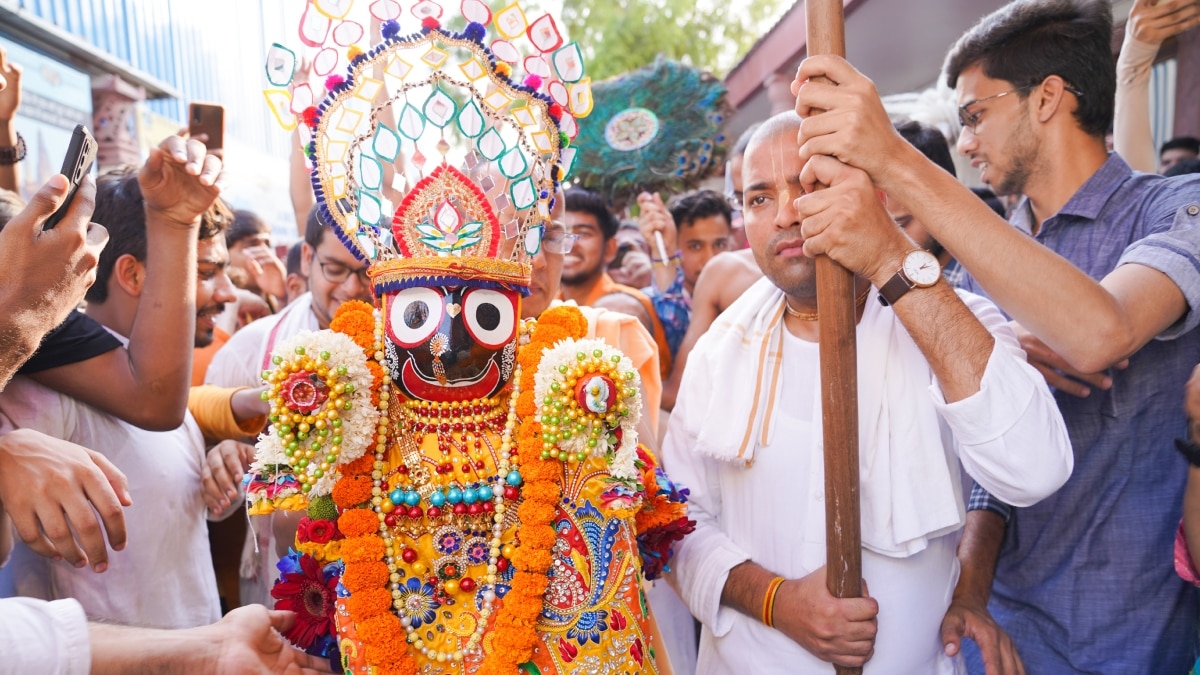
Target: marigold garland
{"x":365,"y":576}
{"x":358,"y":522}
{"x":369,"y":602}
{"x":362,"y":465}
{"x":351,"y":491}
{"x":356,"y":319}
{"x":515,"y":623}
{"x":362,"y":549}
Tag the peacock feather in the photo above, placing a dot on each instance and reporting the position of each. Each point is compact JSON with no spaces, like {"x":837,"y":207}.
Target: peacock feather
{"x":656,"y":128}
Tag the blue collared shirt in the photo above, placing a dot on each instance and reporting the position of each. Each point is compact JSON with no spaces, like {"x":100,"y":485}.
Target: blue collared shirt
{"x":1085,"y":581}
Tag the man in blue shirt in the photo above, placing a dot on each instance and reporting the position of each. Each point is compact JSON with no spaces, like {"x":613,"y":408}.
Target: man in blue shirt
{"x":1084,"y":580}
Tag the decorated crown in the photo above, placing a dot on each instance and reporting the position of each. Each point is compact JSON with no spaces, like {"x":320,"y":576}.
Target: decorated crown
{"x":486,"y":147}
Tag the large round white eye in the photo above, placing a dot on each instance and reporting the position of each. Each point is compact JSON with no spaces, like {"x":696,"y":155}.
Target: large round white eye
{"x":491,"y":316}
{"x":413,"y":316}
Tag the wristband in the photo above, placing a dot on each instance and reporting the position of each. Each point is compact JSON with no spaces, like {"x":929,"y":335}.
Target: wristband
{"x":768,"y":610}
{"x":669,"y":260}
{"x":13,"y":154}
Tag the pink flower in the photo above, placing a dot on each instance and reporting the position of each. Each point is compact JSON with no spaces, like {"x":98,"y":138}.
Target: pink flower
{"x":304,"y":392}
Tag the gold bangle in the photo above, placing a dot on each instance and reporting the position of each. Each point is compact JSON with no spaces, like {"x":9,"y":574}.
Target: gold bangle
{"x":768,"y":610}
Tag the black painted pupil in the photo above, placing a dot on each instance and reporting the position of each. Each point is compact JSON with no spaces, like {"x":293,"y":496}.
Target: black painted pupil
{"x":416,"y":313}
{"x":487,"y":316}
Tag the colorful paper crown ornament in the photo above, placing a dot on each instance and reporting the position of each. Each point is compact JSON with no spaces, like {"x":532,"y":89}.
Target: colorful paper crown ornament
{"x":483,"y":123}
{"x":656,"y":128}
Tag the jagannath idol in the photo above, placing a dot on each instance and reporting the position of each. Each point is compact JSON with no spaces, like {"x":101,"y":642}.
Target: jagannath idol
{"x":477,"y":499}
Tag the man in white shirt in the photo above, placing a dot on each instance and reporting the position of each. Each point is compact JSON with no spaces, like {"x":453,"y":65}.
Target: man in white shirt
{"x":334,"y":276}
{"x":164,"y":577}
{"x":943,"y":388}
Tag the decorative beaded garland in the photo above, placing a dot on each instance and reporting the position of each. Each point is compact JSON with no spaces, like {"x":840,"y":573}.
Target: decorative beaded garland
{"x":446,"y":419}
{"x":590,"y":405}
{"x":507,"y":468}
{"x":320,"y":397}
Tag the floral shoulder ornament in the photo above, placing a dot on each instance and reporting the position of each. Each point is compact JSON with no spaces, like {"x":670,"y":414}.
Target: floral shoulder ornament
{"x":575,"y":401}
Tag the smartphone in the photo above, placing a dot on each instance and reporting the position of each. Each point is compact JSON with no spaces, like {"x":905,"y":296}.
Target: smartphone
{"x":78,"y":162}
{"x":207,"y":119}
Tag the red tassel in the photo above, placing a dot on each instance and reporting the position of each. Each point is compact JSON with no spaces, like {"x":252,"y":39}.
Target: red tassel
{"x":430,"y":23}
{"x":310,"y":116}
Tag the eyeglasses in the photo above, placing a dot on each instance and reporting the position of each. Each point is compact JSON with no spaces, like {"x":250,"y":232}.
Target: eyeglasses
{"x":558,"y":242}
{"x":732,"y":196}
{"x":337,"y":273}
{"x":969,"y":120}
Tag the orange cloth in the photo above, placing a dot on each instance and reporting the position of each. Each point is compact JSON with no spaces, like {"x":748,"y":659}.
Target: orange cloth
{"x":202,"y":356}
{"x":605,"y":286}
{"x":213,"y":409}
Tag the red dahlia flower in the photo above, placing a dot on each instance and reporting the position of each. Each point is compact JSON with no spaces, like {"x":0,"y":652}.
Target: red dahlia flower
{"x":312,"y":597}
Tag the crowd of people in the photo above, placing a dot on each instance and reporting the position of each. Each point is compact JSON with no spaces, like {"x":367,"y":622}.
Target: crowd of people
{"x":1028,"y":380}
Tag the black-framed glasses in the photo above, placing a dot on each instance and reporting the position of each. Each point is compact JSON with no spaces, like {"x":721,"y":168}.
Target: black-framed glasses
{"x":337,"y":273}
{"x":969,"y":119}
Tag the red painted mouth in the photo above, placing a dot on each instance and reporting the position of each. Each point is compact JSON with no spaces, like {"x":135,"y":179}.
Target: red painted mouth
{"x":426,"y":390}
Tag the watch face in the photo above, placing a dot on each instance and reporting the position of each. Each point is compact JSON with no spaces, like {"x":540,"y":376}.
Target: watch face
{"x":922,"y":268}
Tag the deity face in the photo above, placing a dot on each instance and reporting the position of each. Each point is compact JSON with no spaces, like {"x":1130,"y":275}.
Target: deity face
{"x":451,"y":343}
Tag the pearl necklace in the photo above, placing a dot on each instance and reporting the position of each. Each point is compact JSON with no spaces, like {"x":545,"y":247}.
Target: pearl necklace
{"x":506,"y":467}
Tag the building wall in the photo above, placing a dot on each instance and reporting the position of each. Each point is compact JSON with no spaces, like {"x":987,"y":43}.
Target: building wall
{"x":211,"y":51}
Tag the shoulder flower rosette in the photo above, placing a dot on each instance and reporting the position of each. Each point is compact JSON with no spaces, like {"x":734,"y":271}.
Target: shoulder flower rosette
{"x":590,"y":405}
{"x":321,"y":417}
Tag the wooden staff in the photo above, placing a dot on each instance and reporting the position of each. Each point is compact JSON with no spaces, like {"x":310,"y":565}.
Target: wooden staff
{"x":839,"y":371}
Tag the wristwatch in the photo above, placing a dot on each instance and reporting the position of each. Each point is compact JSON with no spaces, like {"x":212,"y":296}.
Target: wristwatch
{"x":919,"y":270}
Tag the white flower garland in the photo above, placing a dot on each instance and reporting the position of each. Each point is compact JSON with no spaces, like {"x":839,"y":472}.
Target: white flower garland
{"x":560,"y":364}
{"x":357,"y":422}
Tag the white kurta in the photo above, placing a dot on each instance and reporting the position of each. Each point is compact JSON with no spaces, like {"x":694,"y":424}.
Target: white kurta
{"x":240,"y":363}
{"x":48,"y":638}
{"x":758,"y":512}
{"x":164,"y":578}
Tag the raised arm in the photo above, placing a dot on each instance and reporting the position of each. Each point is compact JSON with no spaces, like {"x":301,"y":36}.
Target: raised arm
{"x":1150,"y":24}
{"x":147,"y":384}
{"x":10,"y":100}
{"x":1091,"y":325}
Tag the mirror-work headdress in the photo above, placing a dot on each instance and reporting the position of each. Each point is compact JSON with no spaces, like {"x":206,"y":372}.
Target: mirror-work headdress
{"x":482,"y":123}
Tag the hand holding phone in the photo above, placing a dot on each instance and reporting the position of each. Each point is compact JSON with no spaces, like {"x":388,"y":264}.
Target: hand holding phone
{"x":81,"y":153}
{"x":206,"y":123}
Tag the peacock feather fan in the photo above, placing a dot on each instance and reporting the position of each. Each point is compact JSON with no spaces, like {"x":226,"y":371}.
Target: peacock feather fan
{"x":656,"y":128}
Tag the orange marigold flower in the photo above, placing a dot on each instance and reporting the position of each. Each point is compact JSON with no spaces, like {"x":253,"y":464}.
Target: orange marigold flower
{"x":566,"y":317}
{"x":377,"y":374}
{"x":362,"y":466}
{"x":358,"y":522}
{"x":369,"y":603}
{"x":548,"y":336}
{"x":664,"y":512}
{"x":380,"y":629}
{"x":354,"y":306}
{"x":405,"y":666}
{"x":526,"y":404}
{"x":350,"y":491}
{"x":530,"y":558}
{"x":362,"y":549}
{"x":364,"y":576}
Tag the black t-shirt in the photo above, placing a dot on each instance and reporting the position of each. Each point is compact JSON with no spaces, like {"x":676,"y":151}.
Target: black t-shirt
{"x":79,"y":338}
